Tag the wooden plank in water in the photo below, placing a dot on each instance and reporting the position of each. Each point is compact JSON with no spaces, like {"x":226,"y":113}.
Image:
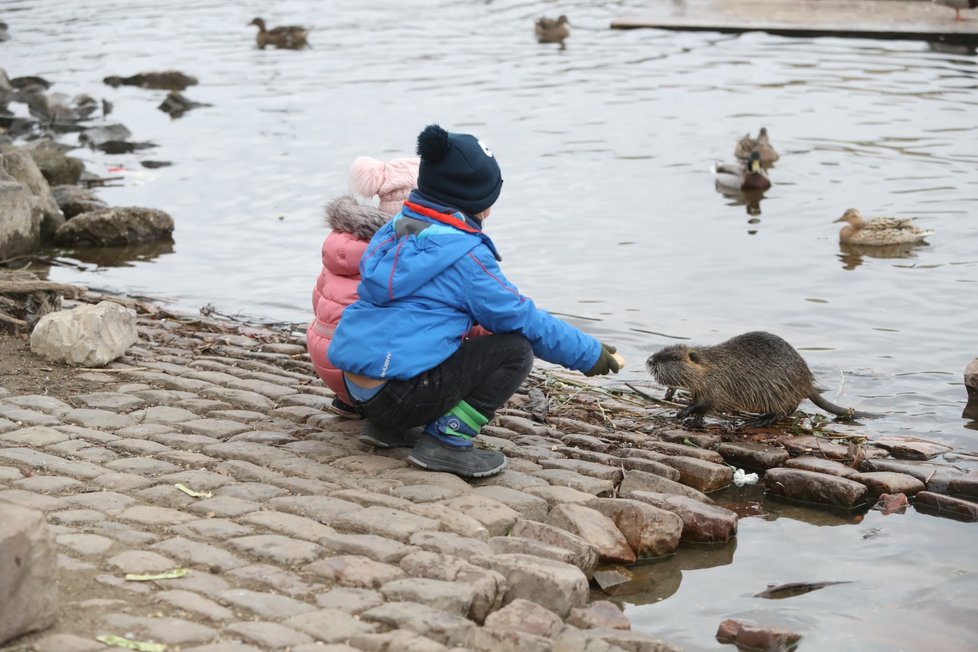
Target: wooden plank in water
{"x":891,"y":19}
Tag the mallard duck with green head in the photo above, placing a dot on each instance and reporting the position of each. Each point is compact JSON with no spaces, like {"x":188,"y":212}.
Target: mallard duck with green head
{"x":743,"y":175}
{"x":290,"y":37}
{"x":879,"y":231}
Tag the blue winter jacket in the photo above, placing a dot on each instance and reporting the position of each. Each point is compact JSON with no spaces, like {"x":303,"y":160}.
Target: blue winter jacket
{"x":427,"y":276}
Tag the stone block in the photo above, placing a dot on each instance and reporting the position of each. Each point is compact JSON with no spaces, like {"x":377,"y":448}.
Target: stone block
{"x":86,"y":336}
{"x":28,"y":572}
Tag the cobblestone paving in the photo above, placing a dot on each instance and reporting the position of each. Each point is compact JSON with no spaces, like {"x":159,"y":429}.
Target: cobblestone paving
{"x":212,"y":449}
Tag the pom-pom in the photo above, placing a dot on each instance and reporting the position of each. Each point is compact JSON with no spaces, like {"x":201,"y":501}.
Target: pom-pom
{"x":433,"y":144}
{"x":367,"y":175}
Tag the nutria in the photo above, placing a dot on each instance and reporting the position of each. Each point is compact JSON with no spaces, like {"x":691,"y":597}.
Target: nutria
{"x":756,"y":372}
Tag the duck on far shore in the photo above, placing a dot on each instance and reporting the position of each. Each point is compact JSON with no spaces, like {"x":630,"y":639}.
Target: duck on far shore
{"x":552,"y":30}
{"x":290,"y":37}
{"x":958,"y":5}
{"x":761,"y":145}
{"x":741,"y":175}
{"x":879,"y":231}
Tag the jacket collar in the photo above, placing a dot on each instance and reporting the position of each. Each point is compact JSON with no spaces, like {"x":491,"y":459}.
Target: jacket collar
{"x":420,"y":207}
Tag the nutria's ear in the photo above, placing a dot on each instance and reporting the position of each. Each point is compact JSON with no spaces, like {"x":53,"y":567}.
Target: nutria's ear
{"x":694,"y":356}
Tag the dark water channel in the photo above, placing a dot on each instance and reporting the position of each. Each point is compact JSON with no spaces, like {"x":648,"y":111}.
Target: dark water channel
{"x":608,"y":216}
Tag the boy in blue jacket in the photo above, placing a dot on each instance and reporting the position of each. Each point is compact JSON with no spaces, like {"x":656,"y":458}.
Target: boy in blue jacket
{"x":428,"y":276}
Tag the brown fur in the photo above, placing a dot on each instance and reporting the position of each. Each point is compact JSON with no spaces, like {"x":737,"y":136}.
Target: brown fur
{"x":755,"y":372}
{"x":346,"y":215}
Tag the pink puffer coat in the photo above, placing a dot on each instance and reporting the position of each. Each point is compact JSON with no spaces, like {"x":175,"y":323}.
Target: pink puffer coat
{"x":352,"y":226}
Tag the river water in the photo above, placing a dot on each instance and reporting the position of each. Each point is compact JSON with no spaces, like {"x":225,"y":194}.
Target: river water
{"x":608,"y":216}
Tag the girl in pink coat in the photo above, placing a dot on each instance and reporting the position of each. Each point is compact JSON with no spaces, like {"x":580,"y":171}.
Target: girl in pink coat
{"x":352,"y":225}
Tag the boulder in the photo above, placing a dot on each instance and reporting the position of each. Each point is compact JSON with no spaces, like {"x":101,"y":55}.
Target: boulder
{"x":75,"y":200}
{"x":28,"y":572}
{"x":57,"y":167}
{"x":595,"y":528}
{"x":20,"y":166}
{"x":20,"y":228}
{"x":120,"y":225}
{"x":86,"y":336}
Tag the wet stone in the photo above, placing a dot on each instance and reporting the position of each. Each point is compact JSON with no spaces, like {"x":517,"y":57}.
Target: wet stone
{"x":495,"y":516}
{"x":581,"y":467}
{"x":887,"y":482}
{"x":355,"y":571}
{"x":649,"y":531}
{"x":808,"y":445}
{"x":937,"y":477}
{"x":754,"y":637}
{"x":701,"y":522}
{"x":534,"y":453}
{"x":639,"y":481}
{"x":350,"y":600}
{"x":277,"y":548}
{"x":266,"y":605}
{"x":114,"y":401}
{"x":815,"y":487}
{"x":964,"y":487}
{"x":700,"y":474}
{"x":595,"y":528}
{"x":752,"y":455}
{"x":929,"y":502}
{"x":911,"y":448}
{"x":821,"y":465}
{"x":683,"y":450}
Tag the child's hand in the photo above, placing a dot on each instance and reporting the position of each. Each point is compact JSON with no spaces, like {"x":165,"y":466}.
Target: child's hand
{"x":607,"y":362}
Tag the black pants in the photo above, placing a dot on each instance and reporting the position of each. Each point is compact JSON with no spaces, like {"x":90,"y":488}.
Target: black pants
{"x":484,"y":373}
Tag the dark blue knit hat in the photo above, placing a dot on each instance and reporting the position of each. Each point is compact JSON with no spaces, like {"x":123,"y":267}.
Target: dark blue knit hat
{"x":457,"y":170}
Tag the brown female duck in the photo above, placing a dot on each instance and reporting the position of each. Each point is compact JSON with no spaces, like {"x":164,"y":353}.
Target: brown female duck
{"x":552,"y":30}
{"x":287,"y":36}
{"x":879,"y":231}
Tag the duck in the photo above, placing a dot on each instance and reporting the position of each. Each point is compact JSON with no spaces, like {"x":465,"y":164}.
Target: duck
{"x":879,"y":231}
{"x":741,"y":175}
{"x":958,"y":5}
{"x":761,"y":145}
{"x":552,"y":30}
{"x":286,"y":36}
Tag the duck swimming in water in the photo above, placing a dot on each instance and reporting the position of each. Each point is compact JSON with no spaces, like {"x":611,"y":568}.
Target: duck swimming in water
{"x":552,"y":30}
{"x":747,"y":175}
{"x":287,"y":36}
{"x":761,"y":145}
{"x":879,"y":231}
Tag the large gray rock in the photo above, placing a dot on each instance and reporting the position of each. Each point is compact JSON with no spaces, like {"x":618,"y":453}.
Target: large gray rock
{"x":116,"y":226}
{"x":56,"y":166}
{"x":20,"y":226}
{"x":86,"y":336}
{"x":20,"y":166}
{"x":75,"y":200}
{"x":28,"y":572}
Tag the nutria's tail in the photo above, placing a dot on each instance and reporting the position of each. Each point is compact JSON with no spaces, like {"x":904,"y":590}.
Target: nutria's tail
{"x":829,"y":406}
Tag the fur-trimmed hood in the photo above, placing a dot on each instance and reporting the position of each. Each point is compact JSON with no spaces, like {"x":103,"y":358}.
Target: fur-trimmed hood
{"x":346,"y":215}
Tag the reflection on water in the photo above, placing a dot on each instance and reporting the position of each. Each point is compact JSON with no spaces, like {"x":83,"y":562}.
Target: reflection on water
{"x":128,"y":256}
{"x":852,"y":255}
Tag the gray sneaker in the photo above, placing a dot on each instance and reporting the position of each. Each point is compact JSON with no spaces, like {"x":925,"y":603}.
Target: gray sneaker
{"x":474,"y":462}
{"x":380,"y":437}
